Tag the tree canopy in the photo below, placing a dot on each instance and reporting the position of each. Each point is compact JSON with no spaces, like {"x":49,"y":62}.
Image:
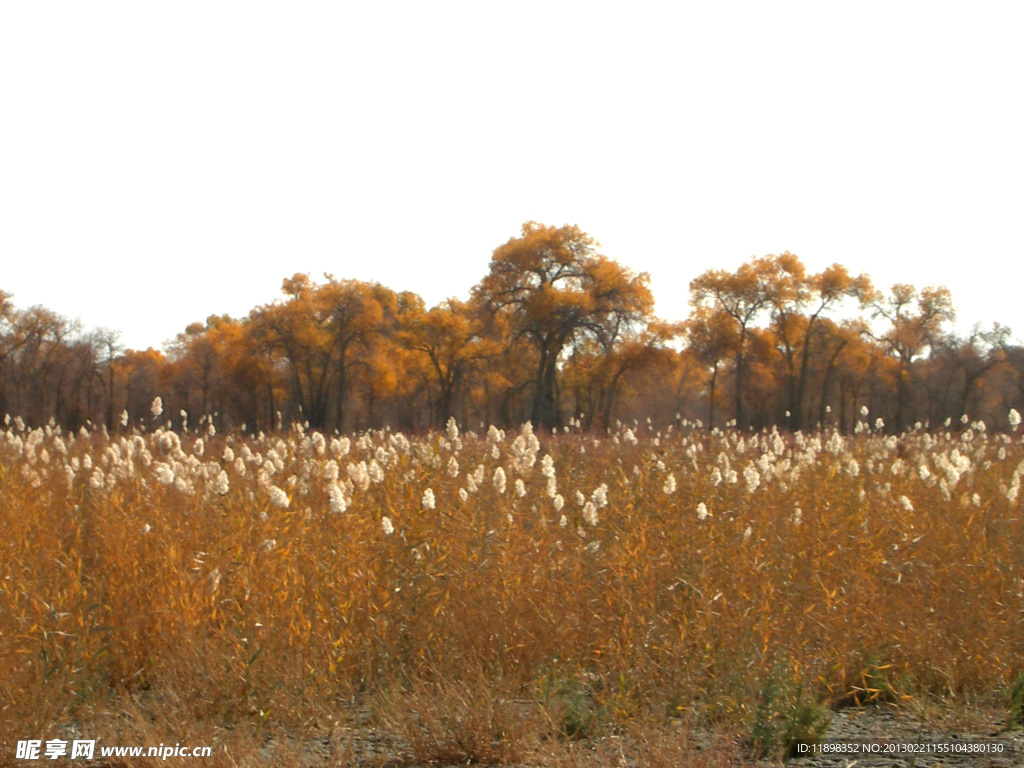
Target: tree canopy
{"x":556,"y":290}
{"x":553,"y":332}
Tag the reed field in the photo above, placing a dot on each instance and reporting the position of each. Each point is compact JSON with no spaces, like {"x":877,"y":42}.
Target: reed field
{"x":502,"y":597}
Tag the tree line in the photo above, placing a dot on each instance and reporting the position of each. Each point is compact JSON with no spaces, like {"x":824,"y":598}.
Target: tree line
{"x":554,"y":333}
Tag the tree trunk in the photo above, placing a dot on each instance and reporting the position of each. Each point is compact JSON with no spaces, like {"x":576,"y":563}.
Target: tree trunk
{"x":545,"y":411}
{"x":741,"y":363}
{"x":711,"y":397}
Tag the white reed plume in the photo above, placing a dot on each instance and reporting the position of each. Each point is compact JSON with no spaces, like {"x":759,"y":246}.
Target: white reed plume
{"x":358,"y":474}
{"x":428,"y":502}
{"x":499,"y":480}
{"x":337,"y":498}
{"x":278,"y":497}
{"x":164,"y":474}
{"x":547,"y":466}
{"x":752,"y":477}
{"x":387,"y":526}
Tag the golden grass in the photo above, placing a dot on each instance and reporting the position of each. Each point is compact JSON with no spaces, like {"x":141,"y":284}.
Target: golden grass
{"x":216,"y":615}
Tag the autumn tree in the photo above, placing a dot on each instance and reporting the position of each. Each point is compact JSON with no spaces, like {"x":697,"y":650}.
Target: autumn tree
{"x":598,"y":376}
{"x":959,"y":364}
{"x":107,"y":343}
{"x":382,"y":369}
{"x":196,"y":358}
{"x":32,"y":354}
{"x":251,"y":385}
{"x":555,"y":290}
{"x":296,"y":331}
{"x":75,"y":367}
{"x":1010,"y":387}
{"x":9,"y":345}
{"x":915,"y":320}
{"x":798,"y":303}
{"x":857,"y":365}
{"x":552,"y":325}
{"x":141,"y":376}
{"x":451,"y":338}
{"x":315,"y":331}
{"x":498,"y":387}
{"x":219,"y":371}
{"x":823,"y":292}
{"x":742,"y":295}
{"x":826,"y":345}
{"x":356,"y":310}
{"x":713,"y":337}
{"x":778,"y":288}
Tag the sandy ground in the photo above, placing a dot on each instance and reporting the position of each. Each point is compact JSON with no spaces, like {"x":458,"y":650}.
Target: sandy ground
{"x":857,"y":738}
{"x":889,"y":737}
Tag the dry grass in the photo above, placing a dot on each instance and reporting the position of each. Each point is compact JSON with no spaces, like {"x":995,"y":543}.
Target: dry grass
{"x":463,"y":721}
{"x":482,"y":629}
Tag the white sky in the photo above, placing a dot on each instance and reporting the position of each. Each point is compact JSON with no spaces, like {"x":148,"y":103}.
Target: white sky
{"x":163,"y":162}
